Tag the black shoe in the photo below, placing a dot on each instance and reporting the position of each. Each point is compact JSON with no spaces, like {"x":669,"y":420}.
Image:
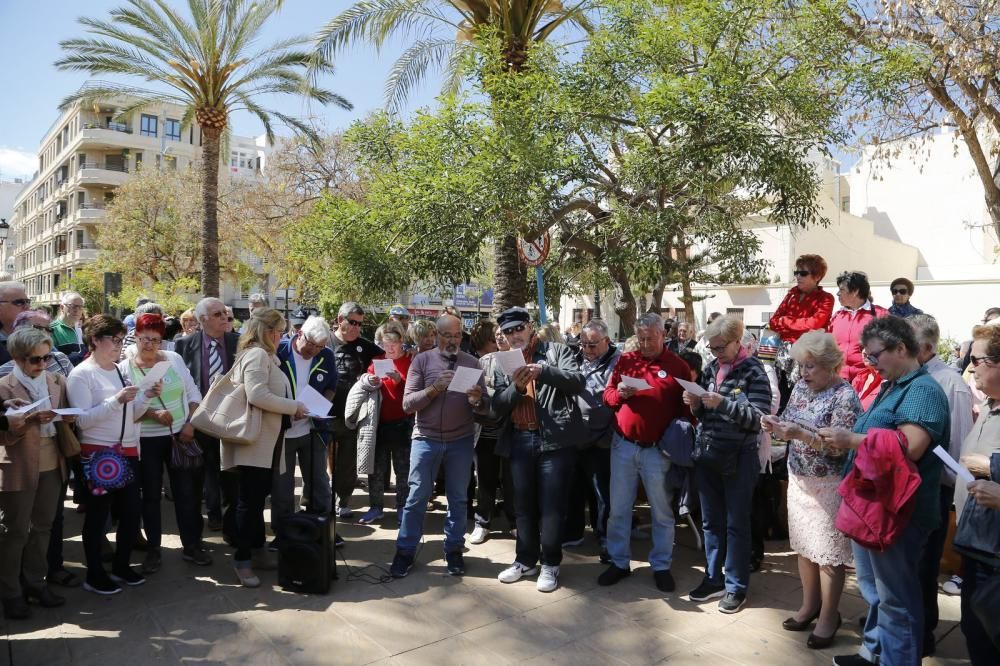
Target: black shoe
{"x":612,"y":575}
{"x":127,"y":576}
{"x":229,"y":539}
{"x":16,"y":608}
{"x":103,"y":586}
{"x":456,"y":563}
{"x":755,"y":562}
{"x":791,"y":624}
{"x":63,"y":578}
{"x":664,"y":580}
{"x":197,"y":556}
{"x":707,"y":591}
{"x":338,"y":541}
{"x":733,"y":602}
{"x":401,"y":564}
{"x":851,"y":660}
{"x":152,"y":562}
{"x":605,"y":557}
{"x":815,"y":642}
{"x":45,"y":597}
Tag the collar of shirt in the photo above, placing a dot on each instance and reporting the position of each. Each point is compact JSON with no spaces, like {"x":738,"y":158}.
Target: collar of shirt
{"x":867,"y":305}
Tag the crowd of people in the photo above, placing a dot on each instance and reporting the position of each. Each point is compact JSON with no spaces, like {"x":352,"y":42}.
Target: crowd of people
{"x":520,"y":426}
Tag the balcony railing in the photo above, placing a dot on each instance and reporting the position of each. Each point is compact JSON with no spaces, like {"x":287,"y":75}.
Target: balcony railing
{"x":107,"y":167}
{"x":114,"y":127}
{"x":91,"y":205}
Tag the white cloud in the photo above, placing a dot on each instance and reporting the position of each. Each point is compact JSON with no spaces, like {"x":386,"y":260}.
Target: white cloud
{"x":16,"y":164}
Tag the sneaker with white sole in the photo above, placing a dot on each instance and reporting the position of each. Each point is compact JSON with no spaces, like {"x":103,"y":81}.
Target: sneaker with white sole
{"x":516,"y":572}
{"x":344,"y":512}
{"x":479,"y":535}
{"x":548,"y":579}
{"x":952,"y":586}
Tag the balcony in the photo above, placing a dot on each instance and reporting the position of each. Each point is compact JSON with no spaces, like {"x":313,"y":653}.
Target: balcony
{"x":89,"y":212}
{"x":98,"y":173}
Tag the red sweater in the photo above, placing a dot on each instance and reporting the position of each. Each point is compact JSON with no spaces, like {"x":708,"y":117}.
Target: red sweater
{"x":645,"y":416}
{"x":794,"y":317}
{"x":846,"y":327}
{"x":392,"y":391}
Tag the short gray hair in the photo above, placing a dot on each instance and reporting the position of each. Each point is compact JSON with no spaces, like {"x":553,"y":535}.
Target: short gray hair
{"x":23,"y":340}
{"x":349,"y":308}
{"x":315,"y":329}
{"x":257,"y":299}
{"x":821,"y":347}
{"x":926,"y":329}
{"x":650,"y":320}
{"x":728,"y":327}
{"x":201,"y":309}
{"x":597,"y":326}
{"x":69,"y":296}
{"x":10,"y":286}
{"x":149,"y":308}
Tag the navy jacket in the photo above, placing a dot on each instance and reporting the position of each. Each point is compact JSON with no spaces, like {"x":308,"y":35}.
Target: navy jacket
{"x":322,"y":374}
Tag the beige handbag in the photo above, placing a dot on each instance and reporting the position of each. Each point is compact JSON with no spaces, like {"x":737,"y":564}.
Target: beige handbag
{"x":225,"y":412}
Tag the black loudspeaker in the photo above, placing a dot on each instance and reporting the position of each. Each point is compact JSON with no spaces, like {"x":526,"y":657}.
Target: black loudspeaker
{"x":305,"y":554}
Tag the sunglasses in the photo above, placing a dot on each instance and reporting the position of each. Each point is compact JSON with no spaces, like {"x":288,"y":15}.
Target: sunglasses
{"x":900,"y":292}
{"x":20,"y":302}
{"x":977,"y":360}
{"x":515,"y":329}
{"x":801,"y":273}
{"x":355,"y":322}
{"x":35,"y":360}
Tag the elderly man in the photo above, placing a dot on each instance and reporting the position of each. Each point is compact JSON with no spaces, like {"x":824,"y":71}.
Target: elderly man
{"x":684,"y":340}
{"x":641,"y":418}
{"x":306,"y":361}
{"x":353,"y":354}
{"x":209,"y":354}
{"x":442,"y":435}
{"x":13,"y":301}
{"x":542,"y":426}
{"x":67,"y":333}
{"x":256,"y":302}
{"x":960,"y":405}
{"x":592,"y":476}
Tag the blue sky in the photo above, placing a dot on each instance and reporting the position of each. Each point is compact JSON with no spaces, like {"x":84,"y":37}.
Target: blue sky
{"x":30,"y":32}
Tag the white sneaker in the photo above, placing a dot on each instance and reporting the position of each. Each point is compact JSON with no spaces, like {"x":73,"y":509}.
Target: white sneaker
{"x":952,"y":586}
{"x":344,"y":512}
{"x":516,"y":572}
{"x":548,"y":580}
{"x":479,"y":535}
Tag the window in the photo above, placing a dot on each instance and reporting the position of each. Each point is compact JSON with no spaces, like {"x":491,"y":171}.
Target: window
{"x":79,"y":238}
{"x":148,"y":125}
{"x":735,"y":312}
{"x":138,"y":159}
{"x":233,"y":158}
{"x":172,"y":128}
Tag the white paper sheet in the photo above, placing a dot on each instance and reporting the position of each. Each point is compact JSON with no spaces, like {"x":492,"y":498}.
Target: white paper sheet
{"x":383,"y":366}
{"x":154,"y":375}
{"x":962,"y":473}
{"x":510,"y":360}
{"x":464,"y":379}
{"x":637,"y":383}
{"x":69,"y":411}
{"x":318,"y":406}
{"x":691,"y":387}
{"x":27,"y":408}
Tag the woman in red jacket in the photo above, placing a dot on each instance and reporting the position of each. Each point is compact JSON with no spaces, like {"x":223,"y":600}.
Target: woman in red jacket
{"x":857,"y":311}
{"x":806,"y":307}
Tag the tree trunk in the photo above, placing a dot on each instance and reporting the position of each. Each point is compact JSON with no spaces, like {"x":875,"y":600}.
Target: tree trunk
{"x":210,"y":201}
{"x":510,"y":275}
{"x":687,"y":297}
{"x":624,"y":300}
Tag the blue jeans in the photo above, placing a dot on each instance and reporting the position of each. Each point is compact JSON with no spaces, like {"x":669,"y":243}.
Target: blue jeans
{"x":629,"y":463}
{"x":541,"y":494}
{"x":426,"y":457}
{"x":726,"y":502}
{"x":889,"y":582}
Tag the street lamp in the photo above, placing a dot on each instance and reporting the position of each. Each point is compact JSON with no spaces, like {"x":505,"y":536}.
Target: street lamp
{"x":597,"y":303}
{"x":4,"y":230}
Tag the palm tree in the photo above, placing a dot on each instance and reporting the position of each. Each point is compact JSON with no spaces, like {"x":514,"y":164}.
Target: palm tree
{"x":443,"y":32}
{"x":211,"y":64}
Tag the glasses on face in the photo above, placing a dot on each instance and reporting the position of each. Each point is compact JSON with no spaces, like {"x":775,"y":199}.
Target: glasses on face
{"x":73,"y":307}
{"x":150,"y":341}
{"x":515,"y":329}
{"x":116,"y":341}
{"x":19,"y":302}
{"x":35,"y":360}
{"x":355,"y":322}
{"x":989,"y":360}
{"x":900,"y":292}
{"x":872,"y":357}
{"x":720,"y":348}
{"x":801,"y":273}
{"x":219,"y":314}
{"x":309,"y":344}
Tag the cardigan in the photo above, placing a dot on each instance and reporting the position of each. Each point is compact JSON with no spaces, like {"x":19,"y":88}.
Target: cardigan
{"x":19,"y":450}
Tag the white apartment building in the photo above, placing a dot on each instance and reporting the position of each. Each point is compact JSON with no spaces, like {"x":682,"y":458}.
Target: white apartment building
{"x":86,"y":154}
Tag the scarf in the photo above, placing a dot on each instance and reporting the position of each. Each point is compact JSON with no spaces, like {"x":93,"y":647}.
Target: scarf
{"x":726,"y":368}
{"x":37,"y":388}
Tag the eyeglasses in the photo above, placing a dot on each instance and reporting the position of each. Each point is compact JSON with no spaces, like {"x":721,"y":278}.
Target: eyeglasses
{"x":720,"y":348}
{"x":801,"y":273}
{"x":515,"y":329}
{"x":355,"y":322}
{"x":19,"y":302}
{"x":116,"y":341}
{"x":35,"y":360}
{"x":74,"y":307}
{"x":150,"y":341}
{"x":306,"y":342}
{"x":872,"y":357}
{"x":42,"y":327}
{"x":900,"y":292}
{"x":989,"y":360}
{"x":220,"y":314}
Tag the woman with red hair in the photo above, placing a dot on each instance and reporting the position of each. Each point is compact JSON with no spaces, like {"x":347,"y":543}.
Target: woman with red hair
{"x":164,"y":418}
{"x":806,"y":307}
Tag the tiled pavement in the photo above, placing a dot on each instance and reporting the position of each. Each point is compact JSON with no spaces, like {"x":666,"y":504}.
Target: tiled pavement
{"x":191,"y":614}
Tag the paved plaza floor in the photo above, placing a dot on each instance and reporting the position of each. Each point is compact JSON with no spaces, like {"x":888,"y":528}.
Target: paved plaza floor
{"x":186,"y":613}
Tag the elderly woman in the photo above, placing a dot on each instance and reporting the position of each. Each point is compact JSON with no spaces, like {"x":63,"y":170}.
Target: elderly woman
{"x":738,"y":394}
{"x":392,"y":437}
{"x":99,"y":388}
{"x":806,"y":307}
{"x":847,"y":324}
{"x":979,"y":449}
{"x":913,"y":404}
{"x":32,"y":471}
{"x":165,"y":417}
{"x":189,"y":322}
{"x":820,"y":399}
{"x":267,"y":388}
{"x":423,"y":333}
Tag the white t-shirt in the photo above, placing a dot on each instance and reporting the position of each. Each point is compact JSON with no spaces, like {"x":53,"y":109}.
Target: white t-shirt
{"x":93,"y":390}
{"x":300,"y":427}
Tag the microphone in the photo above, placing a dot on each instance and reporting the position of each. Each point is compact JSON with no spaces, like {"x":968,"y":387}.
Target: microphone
{"x":452,"y":360}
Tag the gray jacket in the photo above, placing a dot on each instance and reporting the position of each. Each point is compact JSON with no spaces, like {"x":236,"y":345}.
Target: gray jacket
{"x":557,"y":410}
{"x":600,"y":420}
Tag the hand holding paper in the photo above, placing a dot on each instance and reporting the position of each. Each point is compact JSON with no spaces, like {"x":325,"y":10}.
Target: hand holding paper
{"x":636,"y":383}
{"x":27,"y":408}
{"x":510,"y":361}
{"x":153,"y":375}
{"x":691,"y":387}
{"x":962,"y":473}
{"x":319,"y":407}
{"x":384,"y":366}
{"x":464,"y":379}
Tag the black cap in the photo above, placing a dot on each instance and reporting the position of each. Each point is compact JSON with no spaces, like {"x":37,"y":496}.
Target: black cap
{"x":513,"y":317}
{"x":298,"y":317}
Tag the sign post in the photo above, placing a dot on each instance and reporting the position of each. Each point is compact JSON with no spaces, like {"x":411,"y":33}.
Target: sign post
{"x":540,"y":280}
{"x":534,"y":253}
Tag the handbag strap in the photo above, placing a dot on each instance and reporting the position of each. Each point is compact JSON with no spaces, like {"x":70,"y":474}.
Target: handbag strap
{"x":121,"y":435}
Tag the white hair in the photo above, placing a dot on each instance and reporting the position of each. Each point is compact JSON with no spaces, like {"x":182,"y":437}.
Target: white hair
{"x":11,"y":286}
{"x":650,"y":320}
{"x":316,"y":330}
{"x":201,"y":309}
{"x":147,"y":308}
{"x":69,"y":296}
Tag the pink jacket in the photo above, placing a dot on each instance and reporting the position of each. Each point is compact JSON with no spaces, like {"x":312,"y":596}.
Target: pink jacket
{"x":878,"y":491}
{"x":846,"y":327}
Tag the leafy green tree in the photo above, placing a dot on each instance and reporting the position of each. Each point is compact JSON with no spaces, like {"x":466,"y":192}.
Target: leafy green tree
{"x":212,"y":64}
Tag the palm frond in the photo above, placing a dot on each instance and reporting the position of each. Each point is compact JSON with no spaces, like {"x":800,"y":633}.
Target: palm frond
{"x":412,"y":67}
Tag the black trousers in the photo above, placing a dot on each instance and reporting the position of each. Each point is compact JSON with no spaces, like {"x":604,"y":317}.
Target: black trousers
{"x":221,"y":488}
{"x":125,"y":505}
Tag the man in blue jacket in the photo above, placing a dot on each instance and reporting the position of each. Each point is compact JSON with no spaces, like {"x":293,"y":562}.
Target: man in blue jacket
{"x":306,"y":361}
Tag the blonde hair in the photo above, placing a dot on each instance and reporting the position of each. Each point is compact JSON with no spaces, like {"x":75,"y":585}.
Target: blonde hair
{"x":550,"y":333}
{"x":728,"y":328}
{"x":421,"y":328}
{"x":631,"y":345}
{"x":188,"y":315}
{"x":821,"y":347}
{"x":392,"y":331}
{"x":255,"y":330}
